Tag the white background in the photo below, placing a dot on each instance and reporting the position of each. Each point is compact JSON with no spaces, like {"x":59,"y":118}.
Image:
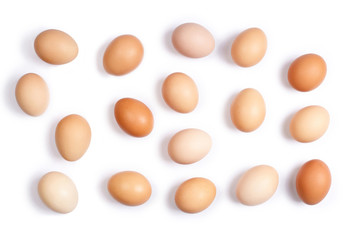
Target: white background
{"x":28,"y":151}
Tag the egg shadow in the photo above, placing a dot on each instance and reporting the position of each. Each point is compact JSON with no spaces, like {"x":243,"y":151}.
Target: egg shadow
{"x":113,"y":122}
{"x":35,"y":198}
{"x":284,"y":72}
{"x":10,"y":96}
{"x":104,"y":191}
{"x":171,"y":198}
{"x":227,"y":112}
{"x":164,"y":149}
{"x":159,"y":92}
{"x":291,"y":184}
{"x":286,"y":127}
{"x":51,"y":141}
{"x":233,"y":186}
{"x":99,"y":58}
{"x":168,"y":42}
{"x":28,"y":49}
{"x":224,"y":49}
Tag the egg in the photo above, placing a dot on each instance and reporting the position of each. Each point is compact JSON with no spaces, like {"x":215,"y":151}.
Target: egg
{"x":32,"y":94}
{"x":248,"y":110}
{"x":249,"y":47}
{"x":180,"y":92}
{"x":193,"y":40}
{"x":134,"y":117}
{"x":130,"y":188}
{"x":189,"y":146}
{"x":58,"y":192}
{"x":55,"y":47}
{"x":307,"y":72}
{"x":123,"y":55}
{"x":72,"y":137}
{"x":313,"y":181}
{"x":309,"y":123}
{"x":195,"y":195}
{"x":257,"y":185}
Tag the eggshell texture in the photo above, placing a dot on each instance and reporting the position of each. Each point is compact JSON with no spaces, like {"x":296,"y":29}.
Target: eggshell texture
{"x":134,"y":117}
{"x":307,"y":72}
{"x":195,"y":195}
{"x":55,"y":47}
{"x":180,"y":92}
{"x":257,"y":185}
{"x":32,"y":94}
{"x":58,"y":192}
{"x":309,"y":124}
{"x":130,"y":188}
{"x":249,"y":47}
{"x":123,"y":55}
{"x":72,"y":137}
{"x":189,"y":146}
{"x":193,"y":40}
{"x":248,"y":110}
{"x":313,"y":181}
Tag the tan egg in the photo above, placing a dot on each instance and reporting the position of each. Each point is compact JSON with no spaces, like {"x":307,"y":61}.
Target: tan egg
{"x":248,"y":110}
{"x":309,"y":124}
{"x":32,"y":94}
{"x":72,"y":137}
{"x":55,"y":47}
{"x":249,"y":47}
{"x":180,"y":92}
{"x":193,"y":40}
{"x":195,"y":195}
{"x":58,"y":192}
{"x":130,"y":188}
{"x":123,"y":55}
{"x":257,"y":185}
{"x":307,"y":72}
{"x":189,"y":146}
{"x":134,"y":117}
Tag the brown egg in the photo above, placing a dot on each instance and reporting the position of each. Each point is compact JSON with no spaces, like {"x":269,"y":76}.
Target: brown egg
{"x":195,"y":195}
{"x":32,"y":94}
{"x":249,"y":47}
{"x":307,"y":72}
{"x":130,"y":188}
{"x":55,"y":47}
{"x":134,"y":117}
{"x":123,"y":55}
{"x":309,"y":124}
{"x":58,"y":192}
{"x":248,"y":110}
{"x":72,"y":137}
{"x":180,"y":92}
{"x":313,"y":181}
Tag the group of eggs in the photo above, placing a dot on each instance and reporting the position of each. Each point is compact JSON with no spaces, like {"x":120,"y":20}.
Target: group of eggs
{"x":179,"y":91}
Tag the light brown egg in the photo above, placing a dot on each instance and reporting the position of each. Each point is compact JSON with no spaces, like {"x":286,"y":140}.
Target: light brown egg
{"x":130,"y":188}
{"x":195,"y":195}
{"x":58,"y":192}
{"x":249,"y":47}
{"x":193,"y":40}
{"x":180,"y":92}
{"x":307,"y":72}
{"x":72,"y":137}
{"x":248,"y":110}
{"x":313,"y":181}
{"x":309,"y":124}
{"x":32,"y":94}
{"x":189,"y":146}
{"x":134,"y":117}
{"x":55,"y":47}
{"x":257,"y":185}
{"x":123,"y":55}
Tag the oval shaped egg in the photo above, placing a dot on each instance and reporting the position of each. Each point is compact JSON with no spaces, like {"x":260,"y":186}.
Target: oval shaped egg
{"x":130,"y":188}
{"x":123,"y":55}
{"x":249,"y":47}
{"x":32,"y":94}
{"x":55,"y":47}
{"x":58,"y":192}
{"x":313,"y":181}
{"x":180,"y":92}
{"x":189,"y":146}
{"x":134,"y":117}
{"x":72,"y":137}
{"x":248,"y":110}
{"x":195,"y":195}
{"x":307,"y":72}
{"x":257,"y":185}
{"x":193,"y":40}
{"x":309,"y":124}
